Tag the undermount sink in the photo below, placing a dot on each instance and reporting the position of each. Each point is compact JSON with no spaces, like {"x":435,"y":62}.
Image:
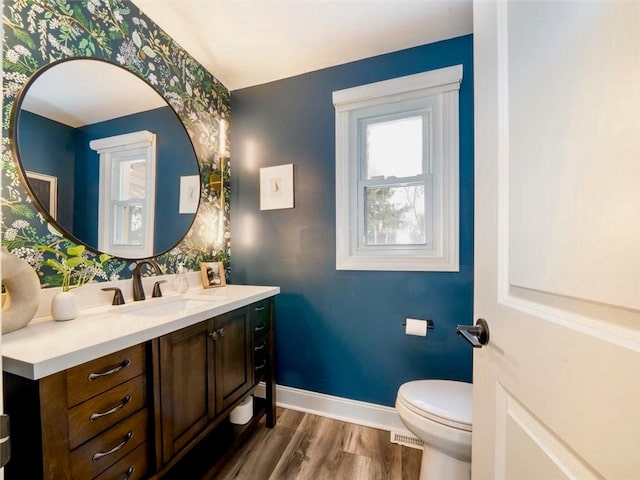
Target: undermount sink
{"x":165,"y":306}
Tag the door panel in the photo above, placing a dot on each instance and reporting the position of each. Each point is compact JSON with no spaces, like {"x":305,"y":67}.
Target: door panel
{"x":233,"y":357}
{"x":557,"y":151}
{"x":530,"y":450}
{"x":185,"y":386}
{"x":573,"y":139}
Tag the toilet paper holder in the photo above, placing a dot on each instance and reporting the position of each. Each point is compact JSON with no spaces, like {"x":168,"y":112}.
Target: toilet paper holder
{"x":429,"y":324}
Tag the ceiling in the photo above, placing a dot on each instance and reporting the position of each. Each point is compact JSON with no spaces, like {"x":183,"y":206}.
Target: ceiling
{"x":83,"y":92}
{"x":249,"y":42}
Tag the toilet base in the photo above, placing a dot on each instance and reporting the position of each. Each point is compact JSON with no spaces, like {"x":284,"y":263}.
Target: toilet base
{"x":438,"y":466}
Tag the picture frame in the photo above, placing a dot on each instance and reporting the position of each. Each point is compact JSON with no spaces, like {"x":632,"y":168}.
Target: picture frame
{"x":45,"y":187}
{"x":213,"y":274}
{"x":276,"y":187}
{"x":189,"y":194}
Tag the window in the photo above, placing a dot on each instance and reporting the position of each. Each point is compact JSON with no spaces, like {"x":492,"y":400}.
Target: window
{"x":127,"y":194}
{"x":397,"y":173}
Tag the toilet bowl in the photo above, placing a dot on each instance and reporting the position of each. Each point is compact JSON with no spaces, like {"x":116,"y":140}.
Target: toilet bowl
{"x":438,"y":412}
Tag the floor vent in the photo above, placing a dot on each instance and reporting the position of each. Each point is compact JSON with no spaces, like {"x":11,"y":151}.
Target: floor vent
{"x":406,"y":440}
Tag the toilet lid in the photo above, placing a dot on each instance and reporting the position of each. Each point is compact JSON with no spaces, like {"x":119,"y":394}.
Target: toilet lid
{"x":443,"y":401}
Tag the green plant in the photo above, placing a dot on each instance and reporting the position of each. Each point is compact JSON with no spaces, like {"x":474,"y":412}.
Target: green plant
{"x":75,"y":267}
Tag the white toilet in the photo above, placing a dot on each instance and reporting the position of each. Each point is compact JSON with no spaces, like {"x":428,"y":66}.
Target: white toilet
{"x":438,"y":412}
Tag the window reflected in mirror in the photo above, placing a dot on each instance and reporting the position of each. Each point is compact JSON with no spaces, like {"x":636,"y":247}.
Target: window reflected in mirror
{"x":126,"y":217}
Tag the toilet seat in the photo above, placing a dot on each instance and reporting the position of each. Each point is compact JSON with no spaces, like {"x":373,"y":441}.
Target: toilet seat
{"x":442,"y":401}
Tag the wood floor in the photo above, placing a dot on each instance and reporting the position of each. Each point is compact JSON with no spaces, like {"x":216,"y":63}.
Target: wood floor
{"x":308,"y":447}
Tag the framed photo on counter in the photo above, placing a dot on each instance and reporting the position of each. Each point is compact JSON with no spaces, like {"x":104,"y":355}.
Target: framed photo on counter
{"x":213,"y":274}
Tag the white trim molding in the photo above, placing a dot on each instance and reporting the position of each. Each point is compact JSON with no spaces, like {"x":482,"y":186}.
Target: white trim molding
{"x":338,"y":408}
{"x":126,"y":141}
{"x":437,"y":93}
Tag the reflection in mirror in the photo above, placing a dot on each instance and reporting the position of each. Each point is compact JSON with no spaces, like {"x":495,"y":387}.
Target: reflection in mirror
{"x":127,"y":193}
{"x":69,"y":105}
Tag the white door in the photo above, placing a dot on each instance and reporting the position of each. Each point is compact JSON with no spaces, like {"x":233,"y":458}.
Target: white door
{"x":557,"y":243}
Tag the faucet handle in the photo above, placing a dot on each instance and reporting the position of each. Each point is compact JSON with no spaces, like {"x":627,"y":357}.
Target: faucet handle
{"x":156,"y":288}
{"x":118,"y":299}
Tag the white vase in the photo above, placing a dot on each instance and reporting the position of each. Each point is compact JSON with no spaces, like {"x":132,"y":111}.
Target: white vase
{"x":64,"y":306}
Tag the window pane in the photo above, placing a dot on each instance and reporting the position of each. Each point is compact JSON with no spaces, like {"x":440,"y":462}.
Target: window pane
{"x":132,"y":179}
{"x":395,"y":215}
{"x":127,"y":225}
{"x":394,"y":148}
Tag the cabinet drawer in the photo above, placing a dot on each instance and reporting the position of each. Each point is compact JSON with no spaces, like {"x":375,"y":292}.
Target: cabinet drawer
{"x":98,"y":454}
{"x":97,"y":414}
{"x":97,"y":376}
{"x":134,"y":466}
{"x":260,"y":355}
{"x":260,"y":370}
{"x":260,"y":313}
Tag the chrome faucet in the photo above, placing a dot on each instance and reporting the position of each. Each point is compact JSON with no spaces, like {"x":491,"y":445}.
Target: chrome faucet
{"x":138,"y":289}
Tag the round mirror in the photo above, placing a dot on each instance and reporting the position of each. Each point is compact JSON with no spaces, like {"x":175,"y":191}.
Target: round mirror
{"x":105,"y":158}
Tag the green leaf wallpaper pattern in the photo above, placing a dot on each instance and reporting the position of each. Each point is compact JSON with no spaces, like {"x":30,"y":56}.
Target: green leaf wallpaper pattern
{"x":39,"y":32}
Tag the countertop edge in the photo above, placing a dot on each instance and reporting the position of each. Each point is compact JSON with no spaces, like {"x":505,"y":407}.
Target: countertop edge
{"x":35,"y":370}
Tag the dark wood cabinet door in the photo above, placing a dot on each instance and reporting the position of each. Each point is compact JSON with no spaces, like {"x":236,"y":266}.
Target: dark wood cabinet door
{"x":233,"y":359}
{"x":186,"y":383}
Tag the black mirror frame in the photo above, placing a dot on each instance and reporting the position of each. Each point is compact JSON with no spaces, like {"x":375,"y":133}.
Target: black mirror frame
{"x":13,"y":135}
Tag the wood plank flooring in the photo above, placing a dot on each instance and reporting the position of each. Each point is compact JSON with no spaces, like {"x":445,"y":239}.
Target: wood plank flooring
{"x":307,"y":447}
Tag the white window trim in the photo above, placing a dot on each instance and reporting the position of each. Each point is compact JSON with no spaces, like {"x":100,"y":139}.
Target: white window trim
{"x":105,"y":148}
{"x":444,"y":83}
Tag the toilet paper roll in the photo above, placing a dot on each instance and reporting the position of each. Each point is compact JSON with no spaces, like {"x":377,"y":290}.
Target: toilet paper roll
{"x":416,"y":327}
{"x":243,"y":412}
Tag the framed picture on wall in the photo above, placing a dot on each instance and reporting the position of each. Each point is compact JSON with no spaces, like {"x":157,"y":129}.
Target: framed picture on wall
{"x":45,"y":188}
{"x":276,"y":187}
{"x":213,"y":274}
{"x":189,"y":194}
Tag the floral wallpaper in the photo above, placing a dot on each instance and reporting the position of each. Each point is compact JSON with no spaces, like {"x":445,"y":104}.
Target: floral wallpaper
{"x":38,"y":32}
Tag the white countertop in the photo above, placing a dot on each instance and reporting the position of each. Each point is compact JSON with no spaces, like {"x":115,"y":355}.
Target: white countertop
{"x":45,"y":347}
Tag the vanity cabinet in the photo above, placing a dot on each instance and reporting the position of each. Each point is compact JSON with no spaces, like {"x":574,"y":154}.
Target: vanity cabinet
{"x":154,"y":410}
{"x":204,"y":370}
{"x":87,"y":422}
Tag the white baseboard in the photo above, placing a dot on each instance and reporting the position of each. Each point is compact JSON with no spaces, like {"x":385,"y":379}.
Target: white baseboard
{"x":343,"y":409}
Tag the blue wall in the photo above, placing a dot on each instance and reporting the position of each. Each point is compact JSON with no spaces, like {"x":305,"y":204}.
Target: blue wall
{"x":340,"y":332}
{"x":51,"y":152}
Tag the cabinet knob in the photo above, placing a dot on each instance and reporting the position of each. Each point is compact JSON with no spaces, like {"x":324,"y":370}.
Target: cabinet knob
{"x":219,"y":332}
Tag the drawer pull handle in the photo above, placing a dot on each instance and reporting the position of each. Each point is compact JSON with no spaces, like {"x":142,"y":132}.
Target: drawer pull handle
{"x":129,"y":472}
{"x":260,"y":367}
{"x":259,"y":347}
{"x":94,"y":375}
{"x":118,"y":406}
{"x":98,"y":455}
{"x":259,"y":309}
{"x":260,"y":328}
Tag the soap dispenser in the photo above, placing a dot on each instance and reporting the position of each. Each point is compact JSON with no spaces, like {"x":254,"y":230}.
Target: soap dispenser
{"x":180,"y":283}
